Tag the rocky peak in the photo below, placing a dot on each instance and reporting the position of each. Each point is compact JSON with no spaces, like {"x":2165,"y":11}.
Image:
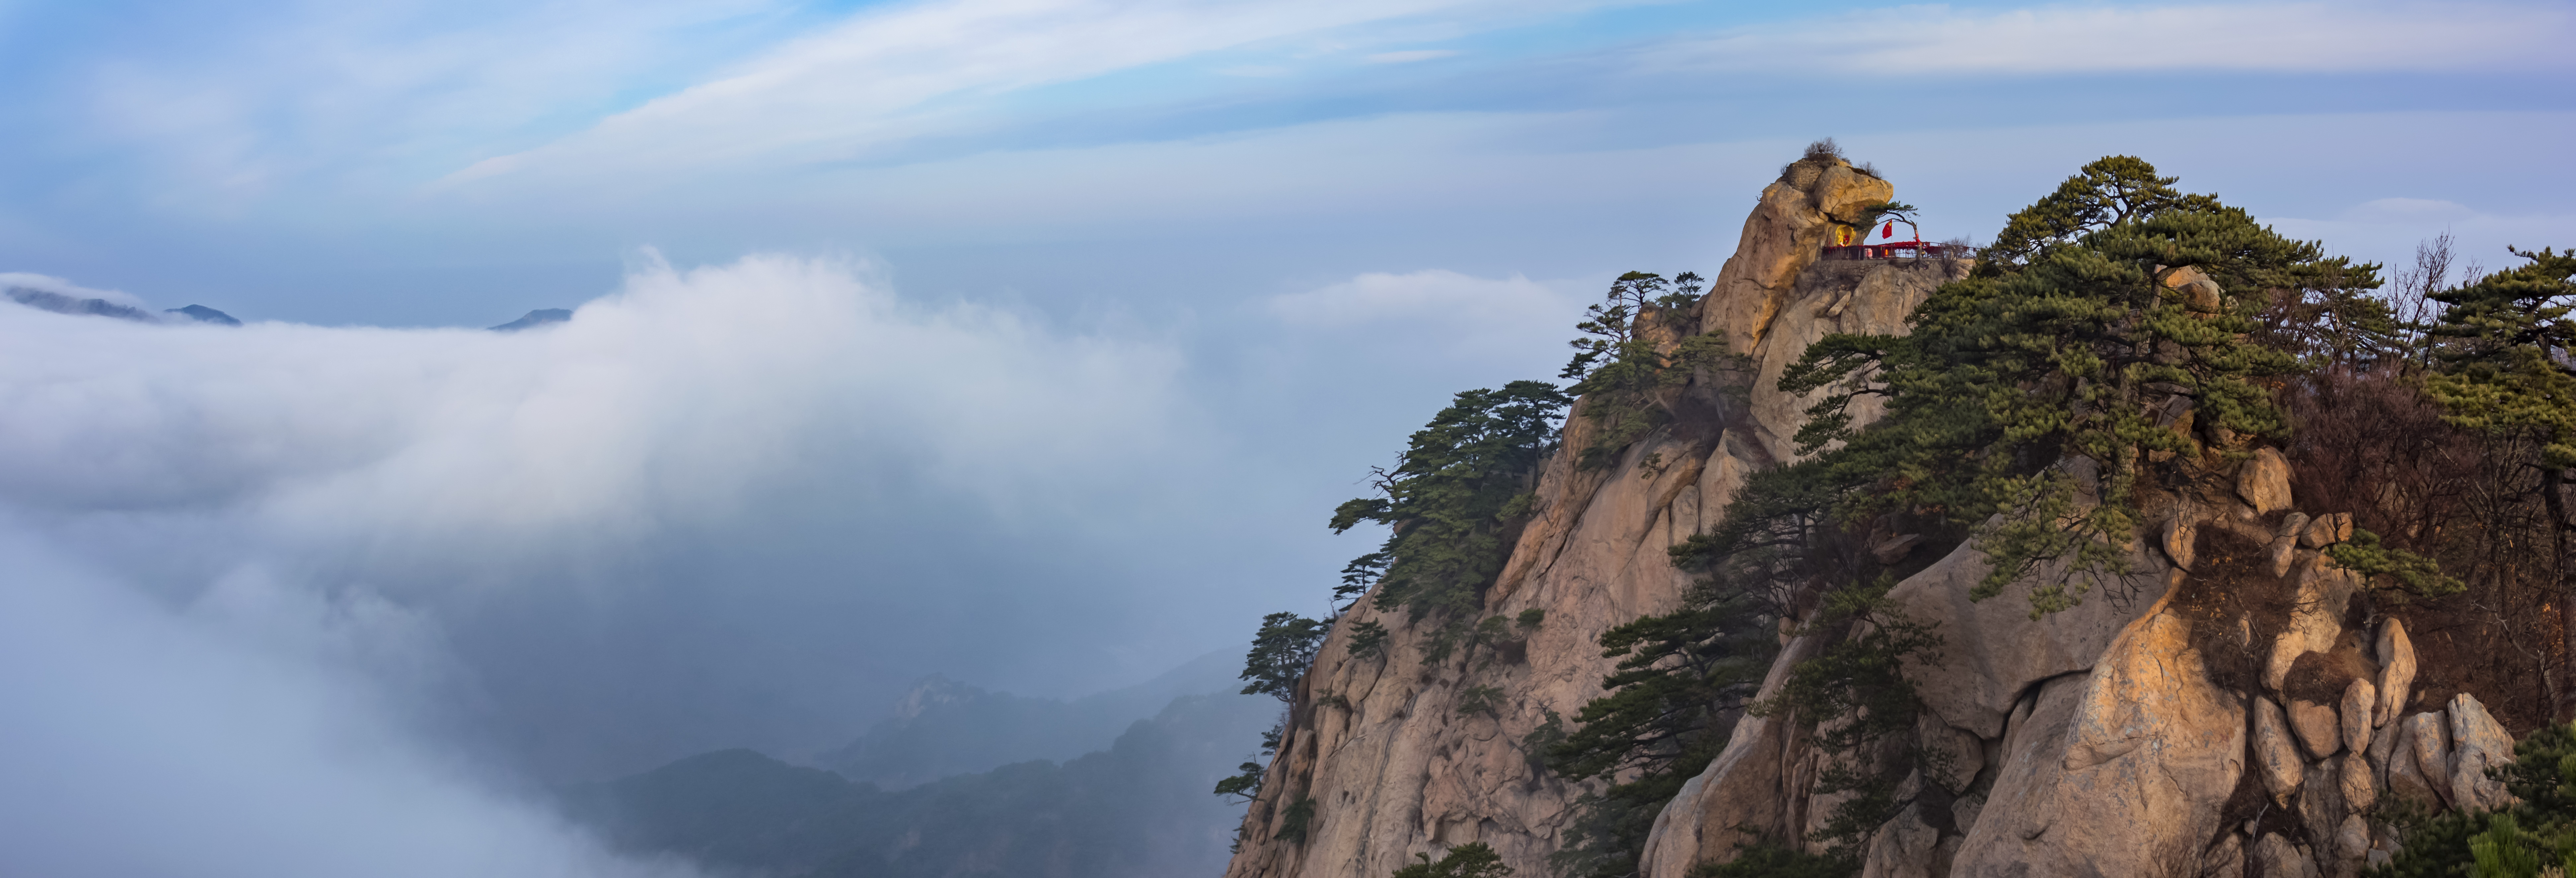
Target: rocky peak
{"x":1393,"y":755}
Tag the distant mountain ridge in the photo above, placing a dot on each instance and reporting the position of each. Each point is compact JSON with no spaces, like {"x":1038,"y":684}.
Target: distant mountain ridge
{"x":536,"y":318}
{"x":942,"y":727}
{"x":1142,"y":807}
{"x":203,"y":314}
{"x":48,"y":300}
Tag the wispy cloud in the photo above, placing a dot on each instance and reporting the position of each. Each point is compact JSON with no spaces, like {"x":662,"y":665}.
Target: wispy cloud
{"x":2100,"y":39}
{"x":380,"y":93}
{"x":902,"y":72}
{"x":1431,"y":297}
{"x":1407,"y":57}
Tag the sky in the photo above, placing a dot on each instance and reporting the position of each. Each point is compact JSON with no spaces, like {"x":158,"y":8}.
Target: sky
{"x":1026,"y":341}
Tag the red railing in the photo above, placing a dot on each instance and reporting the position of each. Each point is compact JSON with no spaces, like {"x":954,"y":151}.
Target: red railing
{"x":1900,"y":250}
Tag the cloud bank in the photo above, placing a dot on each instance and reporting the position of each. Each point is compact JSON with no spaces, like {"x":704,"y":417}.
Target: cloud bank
{"x":145,"y":740}
{"x":243,"y":628}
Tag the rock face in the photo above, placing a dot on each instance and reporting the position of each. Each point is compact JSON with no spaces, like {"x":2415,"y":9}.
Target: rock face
{"x":2317,"y":727}
{"x":2146,"y":753}
{"x":2264,"y":482}
{"x":2112,"y":745}
{"x":2109,"y":739}
{"x":1379,"y":745}
{"x":2396,"y":673}
{"x":2477,"y":744}
{"x":2274,"y":754}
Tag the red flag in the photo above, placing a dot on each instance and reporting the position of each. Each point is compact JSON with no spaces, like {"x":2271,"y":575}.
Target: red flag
{"x":1887,"y":231}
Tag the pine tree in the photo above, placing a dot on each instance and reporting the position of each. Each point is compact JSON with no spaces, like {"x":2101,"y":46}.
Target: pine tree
{"x":2511,"y":372}
{"x":1466,"y":478}
{"x":2036,"y":390}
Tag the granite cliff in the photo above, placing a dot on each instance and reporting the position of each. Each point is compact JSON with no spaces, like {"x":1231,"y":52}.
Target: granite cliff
{"x":1379,"y":743}
{"x":2242,"y":705}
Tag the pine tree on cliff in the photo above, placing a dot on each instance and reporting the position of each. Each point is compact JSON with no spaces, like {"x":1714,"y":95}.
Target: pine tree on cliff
{"x":2052,"y":372}
{"x":1637,"y":352}
{"x":2510,"y":371}
{"x":1462,"y":484}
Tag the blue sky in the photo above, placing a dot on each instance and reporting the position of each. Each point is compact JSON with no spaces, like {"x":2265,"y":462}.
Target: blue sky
{"x":456,"y":163}
{"x":1026,"y":341}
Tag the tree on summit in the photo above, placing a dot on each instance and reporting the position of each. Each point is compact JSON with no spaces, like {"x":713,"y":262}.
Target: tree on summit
{"x":2041,"y":386}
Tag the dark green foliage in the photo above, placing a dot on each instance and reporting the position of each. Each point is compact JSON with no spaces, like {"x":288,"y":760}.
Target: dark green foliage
{"x":1246,"y":785}
{"x":1680,"y":679}
{"x":1638,"y":349}
{"x":2106,"y":193}
{"x":1281,"y":650}
{"x":1480,"y":699}
{"x":1446,"y":502}
{"x":1770,"y":859}
{"x":1530,"y":619}
{"x":1361,"y":575}
{"x":1497,"y":632}
{"x":1856,"y":702}
{"x":1294,"y":821}
{"x":2512,"y":843}
{"x":2510,"y":371}
{"x":2035,"y":388}
{"x":2420,"y":576}
{"x":1471,"y":860}
{"x":1246,"y":782}
{"x":2343,"y":323}
{"x":1368,"y":639}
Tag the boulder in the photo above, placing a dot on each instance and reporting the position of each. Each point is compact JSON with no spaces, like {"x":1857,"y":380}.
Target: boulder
{"x":2360,"y":700}
{"x":1781,"y":238}
{"x":2321,"y":807}
{"x":2360,"y":791}
{"x":2315,"y":623}
{"x":2177,"y":541}
{"x":1995,"y":650}
{"x":2318,"y":727}
{"x":2396,"y":670}
{"x":2432,"y":740}
{"x":2405,"y":780}
{"x":2277,"y":857}
{"x":1964,"y":811}
{"x":2199,"y":293}
{"x":2283,"y":553}
{"x":2292,"y":525}
{"x":2121,"y":770}
{"x":2275,"y":756}
{"x":2477,"y":744}
{"x":2264,"y":482}
{"x":2352,"y":840}
{"x":2327,"y":530}
{"x":2383,"y":744}
{"x":1902,"y":848}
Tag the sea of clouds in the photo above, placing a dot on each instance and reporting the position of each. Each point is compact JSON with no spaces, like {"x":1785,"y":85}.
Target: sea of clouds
{"x":236,"y":563}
